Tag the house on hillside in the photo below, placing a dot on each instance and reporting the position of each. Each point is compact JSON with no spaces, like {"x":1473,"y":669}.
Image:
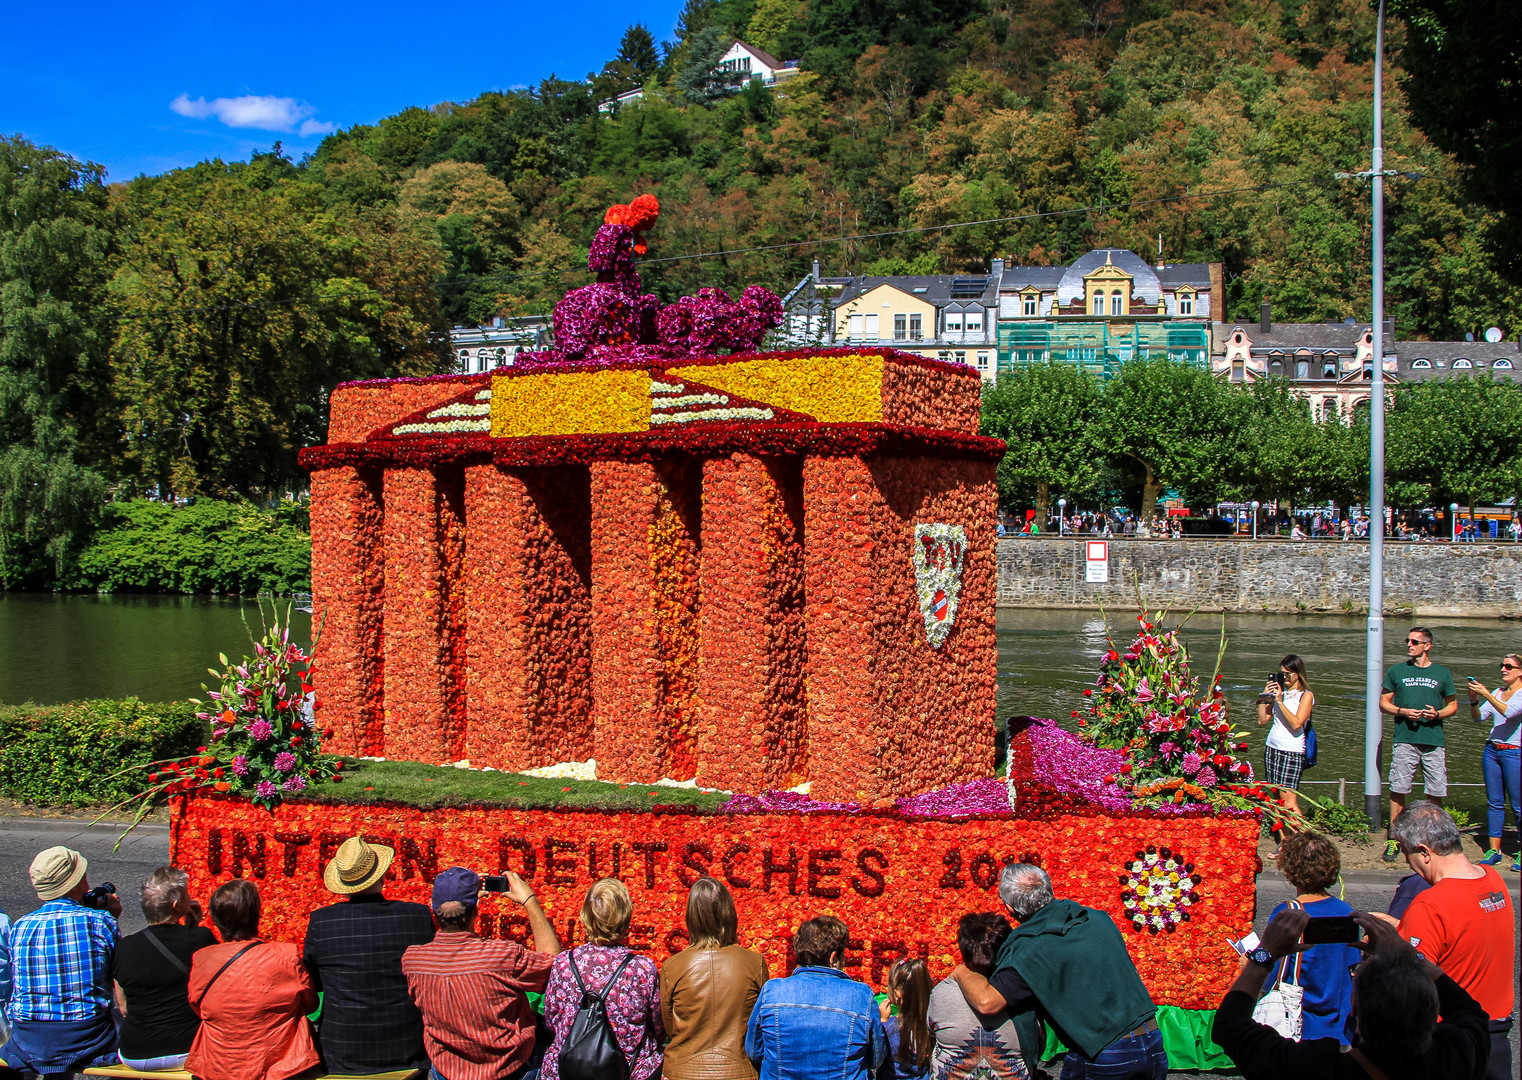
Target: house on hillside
{"x":1108,"y":306}
{"x":1331,"y":365}
{"x":948,"y":317}
{"x":1419,"y":361}
{"x":745,"y":63}
{"x":740,"y":65}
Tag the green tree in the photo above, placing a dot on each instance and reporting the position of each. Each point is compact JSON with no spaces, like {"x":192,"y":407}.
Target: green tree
{"x":241,"y":307}
{"x":1460,"y":438}
{"x":699,"y":79}
{"x":1045,"y":414}
{"x":1167,"y":420}
{"x":770,"y":21}
{"x":54,"y":244}
{"x":1271,"y":437}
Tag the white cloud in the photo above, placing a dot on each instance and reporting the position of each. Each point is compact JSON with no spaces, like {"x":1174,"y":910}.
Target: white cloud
{"x":264,"y":112}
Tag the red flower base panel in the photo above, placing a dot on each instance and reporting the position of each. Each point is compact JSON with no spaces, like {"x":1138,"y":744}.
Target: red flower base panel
{"x":900,"y":884}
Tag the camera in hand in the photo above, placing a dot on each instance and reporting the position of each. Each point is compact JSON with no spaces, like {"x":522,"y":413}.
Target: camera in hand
{"x":1277,"y":678}
{"x":496,"y":883}
{"x":1331,"y":930}
{"x":99,"y":896}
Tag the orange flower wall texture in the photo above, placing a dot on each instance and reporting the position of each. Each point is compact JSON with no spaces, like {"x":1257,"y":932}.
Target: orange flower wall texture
{"x":900,"y":884}
{"x":652,"y":565}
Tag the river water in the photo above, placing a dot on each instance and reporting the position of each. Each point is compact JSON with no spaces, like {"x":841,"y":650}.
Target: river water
{"x":61,"y":648}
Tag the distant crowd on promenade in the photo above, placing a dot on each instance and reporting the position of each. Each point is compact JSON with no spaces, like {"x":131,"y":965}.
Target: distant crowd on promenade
{"x":1304,"y":526}
{"x":1427,"y":992}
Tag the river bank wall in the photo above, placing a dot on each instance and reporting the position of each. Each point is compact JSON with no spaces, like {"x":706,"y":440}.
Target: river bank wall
{"x":1312,"y":576}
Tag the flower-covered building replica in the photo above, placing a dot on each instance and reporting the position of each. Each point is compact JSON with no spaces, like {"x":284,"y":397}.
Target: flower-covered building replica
{"x":660,"y":547}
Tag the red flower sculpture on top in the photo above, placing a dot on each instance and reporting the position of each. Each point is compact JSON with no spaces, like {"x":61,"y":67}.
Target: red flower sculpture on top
{"x":611,"y":319}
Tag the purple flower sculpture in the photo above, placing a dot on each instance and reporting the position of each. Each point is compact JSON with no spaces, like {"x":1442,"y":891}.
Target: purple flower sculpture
{"x":265,"y":789}
{"x":285,"y":761}
{"x":260,"y":730}
{"x":1206,"y":777}
{"x":240,"y":766}
{"x":294,"y":784}
{"x":1190,"y":764}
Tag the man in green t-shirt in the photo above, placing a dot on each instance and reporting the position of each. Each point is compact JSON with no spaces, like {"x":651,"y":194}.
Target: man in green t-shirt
{"x":1419,"y":694}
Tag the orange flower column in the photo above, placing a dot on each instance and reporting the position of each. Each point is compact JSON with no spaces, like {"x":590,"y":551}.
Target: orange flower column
{"x":753,"y":719}
{"x":528,"y":613}
{"x":424,"y":615}
{"x":839,"y":497}
{"x":348,"y":588}
{"x":645,"y":617}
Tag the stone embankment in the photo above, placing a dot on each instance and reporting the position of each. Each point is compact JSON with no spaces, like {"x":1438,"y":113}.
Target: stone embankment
{"x":1481,"y":580}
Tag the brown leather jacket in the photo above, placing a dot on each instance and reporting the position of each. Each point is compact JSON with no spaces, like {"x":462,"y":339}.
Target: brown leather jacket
{"x":706,"y":999}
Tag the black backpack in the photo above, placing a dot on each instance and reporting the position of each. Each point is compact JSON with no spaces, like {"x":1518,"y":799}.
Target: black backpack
{"x":591,"y":1050}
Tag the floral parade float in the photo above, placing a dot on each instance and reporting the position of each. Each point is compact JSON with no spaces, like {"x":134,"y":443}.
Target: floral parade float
{"x":660,"y":547}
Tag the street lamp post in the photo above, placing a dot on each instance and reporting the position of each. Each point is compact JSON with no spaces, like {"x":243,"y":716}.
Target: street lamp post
{"x":1374,"y":658}
{"x":1453,"y":523}
{"x":1062,"y":517}
{"x":1255,"y":519}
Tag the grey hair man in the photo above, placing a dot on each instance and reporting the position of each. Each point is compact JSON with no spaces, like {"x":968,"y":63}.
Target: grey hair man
{"x":1066,"y":965}
{"x":1465,"y":923}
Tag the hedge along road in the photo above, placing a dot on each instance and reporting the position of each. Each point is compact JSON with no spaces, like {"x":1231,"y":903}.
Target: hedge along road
{"x":148,"y":846}
{"x":64,"y":648}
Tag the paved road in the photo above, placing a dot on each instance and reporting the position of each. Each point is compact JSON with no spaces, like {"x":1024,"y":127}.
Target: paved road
{"x":148,"y":846}
{"x":21,"y":838}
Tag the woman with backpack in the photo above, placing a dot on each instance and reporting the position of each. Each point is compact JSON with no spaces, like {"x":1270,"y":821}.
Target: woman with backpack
{"x":708,"y":990}
{"x":603,"y":1002}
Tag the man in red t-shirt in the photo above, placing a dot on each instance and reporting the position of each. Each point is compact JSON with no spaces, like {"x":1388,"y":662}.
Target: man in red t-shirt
{"x":1464,"y":923}
{"x":477,"y":1021}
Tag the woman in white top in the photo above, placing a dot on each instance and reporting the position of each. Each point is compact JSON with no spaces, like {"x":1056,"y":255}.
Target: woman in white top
{"x":1287,"y":702}
{"x":1502,"y":710}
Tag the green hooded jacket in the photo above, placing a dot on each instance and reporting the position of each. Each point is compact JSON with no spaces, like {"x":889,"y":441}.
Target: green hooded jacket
{"x":1075,"y":963}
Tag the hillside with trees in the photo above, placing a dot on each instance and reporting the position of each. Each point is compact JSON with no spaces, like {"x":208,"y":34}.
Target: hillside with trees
{"x":176,"y":335}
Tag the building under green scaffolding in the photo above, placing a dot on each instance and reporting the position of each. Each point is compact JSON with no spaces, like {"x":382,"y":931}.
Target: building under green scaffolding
{"x":1098,"y":347}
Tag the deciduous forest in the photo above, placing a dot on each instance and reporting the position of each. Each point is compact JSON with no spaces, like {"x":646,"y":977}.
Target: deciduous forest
{"x":176,"y":335}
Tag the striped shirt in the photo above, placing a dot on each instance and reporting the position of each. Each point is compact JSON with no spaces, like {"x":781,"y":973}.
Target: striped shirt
{"x":61,"y":957}
{"x":477,"y":1022}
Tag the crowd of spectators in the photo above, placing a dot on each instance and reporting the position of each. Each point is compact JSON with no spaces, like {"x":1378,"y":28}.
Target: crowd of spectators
{"x":406,"y":986}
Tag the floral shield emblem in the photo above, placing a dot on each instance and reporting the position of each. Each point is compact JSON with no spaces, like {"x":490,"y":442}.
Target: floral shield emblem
{"x":938,"y":554}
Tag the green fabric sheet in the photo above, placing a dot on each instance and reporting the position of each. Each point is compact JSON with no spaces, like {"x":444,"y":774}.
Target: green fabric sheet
{"x":1186,"y":1035}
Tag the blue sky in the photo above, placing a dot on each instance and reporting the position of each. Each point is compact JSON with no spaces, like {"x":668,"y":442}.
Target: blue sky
{"x":149,"y":87}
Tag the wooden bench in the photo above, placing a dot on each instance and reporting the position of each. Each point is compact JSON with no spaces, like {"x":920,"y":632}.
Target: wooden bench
{"x":179,"y":1074}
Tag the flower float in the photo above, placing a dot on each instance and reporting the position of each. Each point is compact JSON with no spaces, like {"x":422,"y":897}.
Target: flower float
{"x":655,"y":545}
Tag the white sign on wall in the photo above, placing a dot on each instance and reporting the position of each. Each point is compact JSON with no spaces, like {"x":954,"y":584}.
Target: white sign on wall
{"x":1097,"y":560}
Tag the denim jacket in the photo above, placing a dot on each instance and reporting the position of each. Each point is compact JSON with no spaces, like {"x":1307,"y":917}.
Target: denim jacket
{"x":816,"y":1024}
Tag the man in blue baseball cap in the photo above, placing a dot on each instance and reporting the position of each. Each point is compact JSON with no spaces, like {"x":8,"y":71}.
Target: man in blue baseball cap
{"x":466,"y":986}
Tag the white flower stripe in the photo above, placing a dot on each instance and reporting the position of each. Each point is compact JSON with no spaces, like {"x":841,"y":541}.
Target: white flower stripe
{"x":483,"y":395}
{"x":690,"y":399}
{"x":460,"y":408}
{"x":658,"y":387}
{"x":442,"y":427}
{"x":711,"y":414}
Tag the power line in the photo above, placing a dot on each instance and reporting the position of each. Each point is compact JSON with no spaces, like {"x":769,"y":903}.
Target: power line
{"x":694,"y":256}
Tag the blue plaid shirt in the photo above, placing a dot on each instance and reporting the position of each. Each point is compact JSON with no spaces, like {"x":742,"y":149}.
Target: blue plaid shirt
{"x":61,"y":962}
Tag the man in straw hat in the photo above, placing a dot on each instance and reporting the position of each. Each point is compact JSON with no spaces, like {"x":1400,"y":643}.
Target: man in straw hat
{"x":354,"y":952}
{"x":478,"y":1021}
{"x":60,"y":1006}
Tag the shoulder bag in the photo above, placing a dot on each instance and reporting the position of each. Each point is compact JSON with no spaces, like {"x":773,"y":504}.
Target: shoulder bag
{"x":1281,"y":1007}
{"x":207,"y":988}
{"x":179,"y":965}
{"x":1310,"y":743}
{"x":591,"y":1050}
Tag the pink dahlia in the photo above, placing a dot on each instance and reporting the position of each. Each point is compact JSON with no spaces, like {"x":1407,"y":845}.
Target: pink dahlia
{"x":1190,"y":764}
{"x":265,"y":789}
{"x":240,"y":766}
{"x":260,"y":730}
{"x":285,"y":761}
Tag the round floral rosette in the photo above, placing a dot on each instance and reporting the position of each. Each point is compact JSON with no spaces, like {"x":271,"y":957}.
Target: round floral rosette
{"x":1158,"y":889}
